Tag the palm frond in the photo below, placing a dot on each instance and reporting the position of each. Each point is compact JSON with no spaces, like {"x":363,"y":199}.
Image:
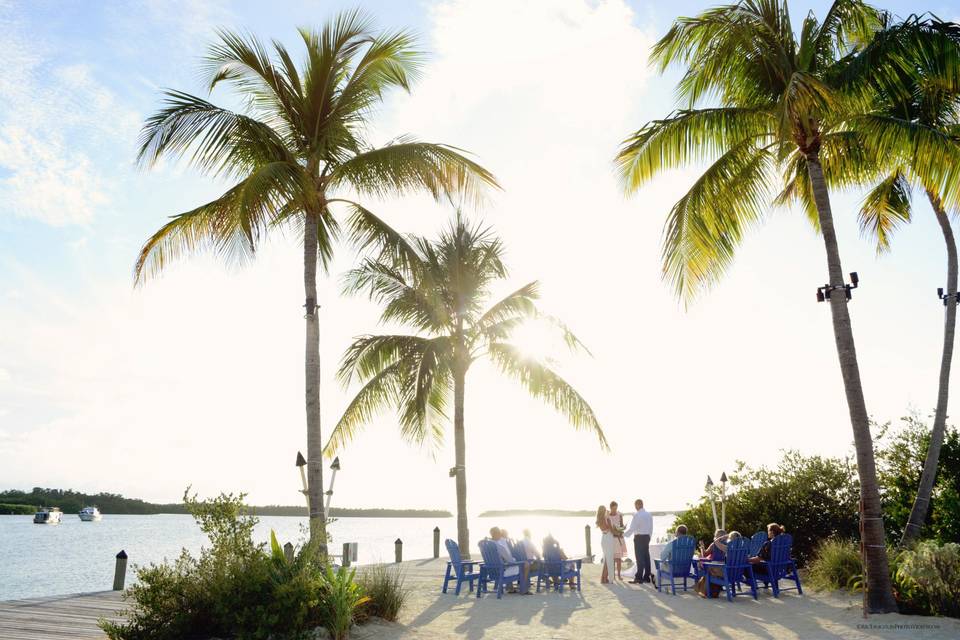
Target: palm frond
{"x":885,"y":208}
{"x":688,"y":136}
{"x":545,"y":384}
{"x":214,"y":140}
{"x":707,"y":224}
{"x":408,"y":167}
{"x":369,"y":233}
{"x":232,"y":225}
{"x":381,"y":392}
{"x":243,"y":61}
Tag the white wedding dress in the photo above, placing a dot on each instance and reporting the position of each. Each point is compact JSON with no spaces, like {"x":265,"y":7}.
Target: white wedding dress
{"x":607,"y":545}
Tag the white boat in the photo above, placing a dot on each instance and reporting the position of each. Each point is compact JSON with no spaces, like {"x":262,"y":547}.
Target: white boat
{"x":47,"y":515}
{"x":90,"y":514}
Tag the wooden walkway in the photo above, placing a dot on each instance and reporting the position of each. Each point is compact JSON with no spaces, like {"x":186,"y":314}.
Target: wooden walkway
{"x":54,"y":617}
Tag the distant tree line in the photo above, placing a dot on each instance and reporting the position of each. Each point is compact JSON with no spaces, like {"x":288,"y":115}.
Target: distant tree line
{"x":14,"y":501}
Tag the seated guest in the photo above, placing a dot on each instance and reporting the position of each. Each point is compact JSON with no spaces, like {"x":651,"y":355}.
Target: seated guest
{"x":773,"y":530}
{"x":503,"y":548}
{"x":550,"y":542}
{"x":530,"y":547}
{"x":667,"y":553}
{"x":717,"y":550}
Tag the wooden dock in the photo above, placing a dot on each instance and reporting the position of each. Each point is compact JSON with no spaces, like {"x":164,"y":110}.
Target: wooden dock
{"x":54,"y":617}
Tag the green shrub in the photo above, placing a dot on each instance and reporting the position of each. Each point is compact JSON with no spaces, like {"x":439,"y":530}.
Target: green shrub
{"x":386,"y":591}
{"x":340,"y":601}
{"x":815,"y":498}
{"x":928,"y":578}
{"x":900,"y":457}
{"x":236,"y":588}
{"x":835,"y":565}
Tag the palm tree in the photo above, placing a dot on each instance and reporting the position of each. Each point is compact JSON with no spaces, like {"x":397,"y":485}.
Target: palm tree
{"x":298,"y":157}
{"x":440,"y":289}
{"x":787,"y":105}
{"x":931,"y":103}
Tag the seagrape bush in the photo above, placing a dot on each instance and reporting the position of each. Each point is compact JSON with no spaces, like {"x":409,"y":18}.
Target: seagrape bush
{"x":237,"y":588}
{"x":929,"y":574}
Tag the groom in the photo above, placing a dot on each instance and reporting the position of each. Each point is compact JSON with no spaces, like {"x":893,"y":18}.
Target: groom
{"x":641,"y":527}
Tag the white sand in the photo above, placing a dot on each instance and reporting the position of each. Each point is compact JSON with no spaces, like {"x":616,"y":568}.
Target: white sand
{"x":634,"y":611}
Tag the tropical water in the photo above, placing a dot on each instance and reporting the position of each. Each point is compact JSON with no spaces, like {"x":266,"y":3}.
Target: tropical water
{"x":75,"y":556}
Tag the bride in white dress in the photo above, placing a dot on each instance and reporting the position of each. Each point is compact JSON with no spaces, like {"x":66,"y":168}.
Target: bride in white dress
{"x":607,"y":543}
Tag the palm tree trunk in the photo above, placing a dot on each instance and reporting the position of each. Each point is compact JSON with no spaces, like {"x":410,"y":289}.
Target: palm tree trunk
{"x":318,"y":532}
{"x":460,"y":449}
{"x":879,"y":588}
{"x":921,"y":505}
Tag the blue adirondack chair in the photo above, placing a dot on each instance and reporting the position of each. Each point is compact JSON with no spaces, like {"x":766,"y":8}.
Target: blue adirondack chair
{"x":756,"y":541}
{"x":780,"y":566}
{"x":678,"y":566}
{"x":459,"y":569}
{"x":495,"y":569}
{"x":555,"y":568}
{"x":735,"y":569}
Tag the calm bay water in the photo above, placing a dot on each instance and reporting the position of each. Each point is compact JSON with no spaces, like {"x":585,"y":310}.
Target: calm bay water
{"x":75,"y":556}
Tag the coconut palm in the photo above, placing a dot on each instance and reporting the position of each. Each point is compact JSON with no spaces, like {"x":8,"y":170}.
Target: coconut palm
{"x":772,"y":112}
{"x":298,"y":159}
{"x":931,"y":103}
{"x":441,"y":290}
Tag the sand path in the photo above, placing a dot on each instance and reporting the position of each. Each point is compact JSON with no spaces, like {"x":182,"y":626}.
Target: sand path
{"x":637,"y":612}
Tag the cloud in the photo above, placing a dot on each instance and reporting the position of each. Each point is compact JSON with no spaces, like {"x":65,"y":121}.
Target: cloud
{"x":57,"y":127}
{"x":47,"y":181}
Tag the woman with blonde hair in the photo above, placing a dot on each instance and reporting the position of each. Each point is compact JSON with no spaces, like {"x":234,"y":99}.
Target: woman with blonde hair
{"x":606,"y":543}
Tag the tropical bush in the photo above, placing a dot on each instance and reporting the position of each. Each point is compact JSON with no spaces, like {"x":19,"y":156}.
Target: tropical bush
{"x":928,"y":575}
{"x":237,"y":588}
{"x":836,"y":564}
{"x":815,"y":498}
{"x":926,"y":578}
{"x":900,"y":456}
{"x":386,"y":590}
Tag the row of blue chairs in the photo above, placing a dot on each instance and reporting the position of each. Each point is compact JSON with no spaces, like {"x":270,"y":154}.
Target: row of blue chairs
{"x":503,"y":573}
{"x":737,"y":571}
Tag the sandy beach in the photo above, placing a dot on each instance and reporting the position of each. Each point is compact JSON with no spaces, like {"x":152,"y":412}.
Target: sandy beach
{"x":637,"y":612}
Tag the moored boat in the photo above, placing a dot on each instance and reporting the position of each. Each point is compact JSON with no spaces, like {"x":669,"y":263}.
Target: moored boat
{"x":90,"y":514}
{"x":47,"y":515}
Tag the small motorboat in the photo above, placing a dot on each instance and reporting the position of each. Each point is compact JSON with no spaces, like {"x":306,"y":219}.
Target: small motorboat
{"x":90,"y":514}
{"x":47,"y":515}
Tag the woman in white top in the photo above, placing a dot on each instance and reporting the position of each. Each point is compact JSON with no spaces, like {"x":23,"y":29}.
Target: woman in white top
{"x":606,"y":543}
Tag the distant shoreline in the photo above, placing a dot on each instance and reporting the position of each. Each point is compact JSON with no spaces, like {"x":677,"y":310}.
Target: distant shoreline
{"x":70,"y":501}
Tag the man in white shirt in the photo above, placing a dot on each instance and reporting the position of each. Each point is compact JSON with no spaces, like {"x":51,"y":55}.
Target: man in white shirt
{"x":641,"y":528}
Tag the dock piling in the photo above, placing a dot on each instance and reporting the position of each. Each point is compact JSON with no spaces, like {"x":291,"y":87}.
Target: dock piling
{"x":288,"y":551}
{"x":586,"y":535}
{"x":346,"y":554}
{"x":398,"y":550}
{"x":120,"y":574}
{"x":436,"y":542}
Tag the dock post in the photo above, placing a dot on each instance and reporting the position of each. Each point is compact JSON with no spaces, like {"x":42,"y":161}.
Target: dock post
{"x":586,"y":535}
{"x":398,"y":550}
{"x":436,"y":542}
{"x":346,"y":554}
{"x":120,"y":574}
{"x":288,"y":551}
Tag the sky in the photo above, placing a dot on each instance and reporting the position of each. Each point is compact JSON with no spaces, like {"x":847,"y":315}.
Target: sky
{"x":196,"y":378}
